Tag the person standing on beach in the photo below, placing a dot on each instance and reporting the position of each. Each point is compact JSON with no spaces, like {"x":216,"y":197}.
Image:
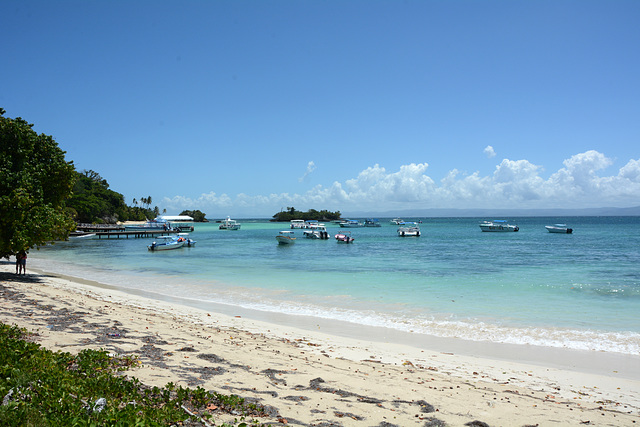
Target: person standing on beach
{"x":18,"y":262}
{"x":21,"y":260}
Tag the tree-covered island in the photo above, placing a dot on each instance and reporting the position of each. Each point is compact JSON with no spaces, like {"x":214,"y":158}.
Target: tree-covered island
{"x":198,"y":216}
{"x":311,"y":214}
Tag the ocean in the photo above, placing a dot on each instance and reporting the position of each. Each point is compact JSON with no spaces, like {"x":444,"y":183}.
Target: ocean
{"x":577,"y":291}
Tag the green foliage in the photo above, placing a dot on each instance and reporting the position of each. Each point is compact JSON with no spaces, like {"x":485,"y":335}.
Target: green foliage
{"x":92,"y":201}
{"x":41,"y":387}
{"x":35,"y":181}
{"x":311,"y":214}
{"x":196,"y":215}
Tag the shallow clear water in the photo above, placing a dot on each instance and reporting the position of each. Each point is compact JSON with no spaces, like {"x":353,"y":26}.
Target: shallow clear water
{"x":579,"y":290}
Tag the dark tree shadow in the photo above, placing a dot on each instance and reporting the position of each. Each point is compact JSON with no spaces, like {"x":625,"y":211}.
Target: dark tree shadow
{"x":22,"y":278}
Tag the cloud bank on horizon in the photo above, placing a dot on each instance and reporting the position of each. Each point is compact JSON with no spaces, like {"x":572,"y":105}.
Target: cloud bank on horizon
{"x":513,"y":184}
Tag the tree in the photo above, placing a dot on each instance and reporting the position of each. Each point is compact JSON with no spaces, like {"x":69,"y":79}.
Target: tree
{"x":92,"y":200}
{"x":197,"y":215}
{"x":35,"y":181}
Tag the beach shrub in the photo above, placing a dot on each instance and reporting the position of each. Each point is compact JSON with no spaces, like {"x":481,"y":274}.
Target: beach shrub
{"x":42,"y":387}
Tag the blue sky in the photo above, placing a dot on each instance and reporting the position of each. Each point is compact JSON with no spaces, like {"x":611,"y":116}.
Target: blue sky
{"x":245,"y":107}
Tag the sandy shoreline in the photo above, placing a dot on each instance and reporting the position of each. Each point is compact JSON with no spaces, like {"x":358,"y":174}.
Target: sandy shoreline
{"x":312,"y":377}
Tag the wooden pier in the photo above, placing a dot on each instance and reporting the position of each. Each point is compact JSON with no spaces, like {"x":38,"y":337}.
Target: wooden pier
{"x":115,"y":231}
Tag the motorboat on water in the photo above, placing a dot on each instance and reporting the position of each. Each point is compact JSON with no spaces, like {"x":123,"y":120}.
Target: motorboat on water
{"x":559,"y":228}
{"x":316,"y":231}
{"x":409,"y":230}
{"x":397,"y":221}
{"x":370,"y":222}
{"x":165,"y":243}
{"x":286,"y":238}
{"x":229,"y":224}
{"x":188,"y":242}
{"x":316,"y":234}
{"x":498,"y":225}
{"x":178,"y":222}
{"x":350,"y":223}
{"x":344,"y":237}
{"x":296,"y":224}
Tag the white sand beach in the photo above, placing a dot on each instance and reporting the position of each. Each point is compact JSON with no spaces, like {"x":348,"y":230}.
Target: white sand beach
{"x":312,"y":375}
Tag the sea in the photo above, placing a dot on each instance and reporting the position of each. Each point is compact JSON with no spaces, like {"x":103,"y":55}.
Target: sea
{"x":578,"y":291}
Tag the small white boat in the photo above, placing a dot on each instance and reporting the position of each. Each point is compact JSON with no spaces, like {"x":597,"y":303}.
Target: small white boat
{"x":498,"y":225}
{"x":166,"y":243}
{"x":344,"y":237}
{"x":82,"y":236}
{"x":229,"y":224}
{"x":286,"y":238}
{"x":350,"y":223}
{"x":297,"y":223}
{"x":370,"y":222}
{"x":397,"y":221}
{"x":559,"y":228}
{"x":411,"y":230}
{"x":317,"y":231}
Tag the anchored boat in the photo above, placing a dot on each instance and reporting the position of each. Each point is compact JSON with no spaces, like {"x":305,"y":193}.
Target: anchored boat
{"x":286,"y":238}
{"x":410,"y":230}
{"x":317,"y":231}
{"x":559,"y":228}
{"x":344,"y":237}
{"x":498,"y":225}
{"x":229,"y":224}
{"x":165,"y":243}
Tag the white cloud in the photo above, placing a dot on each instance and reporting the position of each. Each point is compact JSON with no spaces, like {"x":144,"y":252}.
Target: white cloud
{"x":631,"y":171}
{"x":489,"y":151}
{"x":310,"y":168}
{"x":513,"y":184}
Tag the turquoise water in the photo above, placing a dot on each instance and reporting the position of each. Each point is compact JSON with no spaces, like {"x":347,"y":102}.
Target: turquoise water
{"x":579,"y":290}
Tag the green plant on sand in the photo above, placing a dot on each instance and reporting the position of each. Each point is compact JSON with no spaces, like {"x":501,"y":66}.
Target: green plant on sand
{"x":39,"y":387}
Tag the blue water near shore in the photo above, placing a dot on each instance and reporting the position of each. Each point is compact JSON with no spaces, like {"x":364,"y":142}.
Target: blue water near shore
{"x":579,"y":291}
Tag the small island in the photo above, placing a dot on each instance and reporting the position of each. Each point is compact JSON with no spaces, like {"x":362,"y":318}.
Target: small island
{"x":311,"y":214}
{"x":198,"y":216}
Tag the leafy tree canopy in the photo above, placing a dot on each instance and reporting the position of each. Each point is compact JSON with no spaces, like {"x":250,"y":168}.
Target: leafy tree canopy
{"x":141,"y":210}
{"x":92,"y":201}
{"x":311,"y":214}
{"x":197,"y":215}
{"x":35,"y":181}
